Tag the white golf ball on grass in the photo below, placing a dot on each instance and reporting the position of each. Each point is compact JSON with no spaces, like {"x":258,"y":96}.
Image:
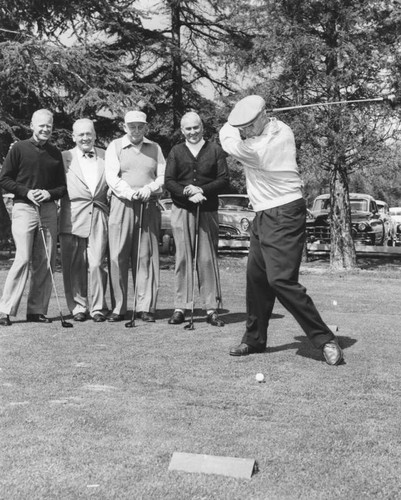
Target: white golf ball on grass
{"x":259,"y":377}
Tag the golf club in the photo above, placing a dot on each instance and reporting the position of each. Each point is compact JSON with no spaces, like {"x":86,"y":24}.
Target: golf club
{"x":391,"y":99}
{"x":131,"y":324}
{"x":64,"y":323}
{"x":190,"y":325}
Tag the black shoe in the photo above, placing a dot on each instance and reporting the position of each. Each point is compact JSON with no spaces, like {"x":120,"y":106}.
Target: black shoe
{"x":98,"y":318}
{"x":37,"y":318}
{"x":177,"y":318}
{"x":214,"y":320}
{"x":332,"y":353}
{"x":80,"y":317}
{"x":148,"y":317}
{"x":114,"y":318}
{"x":5,"y":321}
{"x":244,"y":350}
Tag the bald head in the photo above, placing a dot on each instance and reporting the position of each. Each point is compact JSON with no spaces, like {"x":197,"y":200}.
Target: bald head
{"x":192,"y":127}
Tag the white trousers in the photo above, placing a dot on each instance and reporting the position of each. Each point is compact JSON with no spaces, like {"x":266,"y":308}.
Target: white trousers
{"x":31,"y":255}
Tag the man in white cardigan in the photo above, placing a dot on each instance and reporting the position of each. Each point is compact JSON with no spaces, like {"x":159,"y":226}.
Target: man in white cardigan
{"x":83,"y":226}
{"x":267,"y":152}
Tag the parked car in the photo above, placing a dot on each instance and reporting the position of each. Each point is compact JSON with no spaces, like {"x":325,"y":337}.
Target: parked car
{"x":395,"y":213}
{"x":166,"y":233}
{"x":235,"y":217}
{"x":389,"y":223}
{"x":367,"y":225}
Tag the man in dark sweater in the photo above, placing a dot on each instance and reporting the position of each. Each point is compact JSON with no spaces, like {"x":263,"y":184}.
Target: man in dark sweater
{"x":196,"y":173}
{"x":33,"y":171}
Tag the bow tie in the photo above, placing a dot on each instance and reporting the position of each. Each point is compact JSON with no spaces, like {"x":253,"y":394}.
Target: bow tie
{"x":89,"y":154}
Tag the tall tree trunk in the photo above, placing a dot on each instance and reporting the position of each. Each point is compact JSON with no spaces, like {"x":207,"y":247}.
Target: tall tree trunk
{"x":176,"y":63}
{"x":342,"y":251}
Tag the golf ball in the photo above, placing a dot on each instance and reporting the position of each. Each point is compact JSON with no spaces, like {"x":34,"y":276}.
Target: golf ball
{"x":259,"y":377}
{"x":334,"y":302}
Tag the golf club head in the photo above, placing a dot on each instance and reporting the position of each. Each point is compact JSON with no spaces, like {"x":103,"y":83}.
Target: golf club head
{"x":66,"y":324}
{"x":189,"y":326}
{"x":130,"y":324}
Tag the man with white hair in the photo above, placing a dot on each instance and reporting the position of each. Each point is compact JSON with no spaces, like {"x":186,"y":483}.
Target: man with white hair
{"x":196,"y":173}
{"x":135,"y":173}
{"x":267,"y":152}
{"x":83,"y":226}
{"x":33,"y":171}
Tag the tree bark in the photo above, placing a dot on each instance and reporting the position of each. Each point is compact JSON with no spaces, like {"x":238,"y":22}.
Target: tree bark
{"x":176,"y":63}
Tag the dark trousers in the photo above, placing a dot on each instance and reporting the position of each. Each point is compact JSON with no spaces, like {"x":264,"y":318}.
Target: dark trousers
{"x":277,"y":240}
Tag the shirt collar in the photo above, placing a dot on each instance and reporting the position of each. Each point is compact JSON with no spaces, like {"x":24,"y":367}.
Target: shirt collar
{"x":36,"y":143}
{"x":126,"y":142}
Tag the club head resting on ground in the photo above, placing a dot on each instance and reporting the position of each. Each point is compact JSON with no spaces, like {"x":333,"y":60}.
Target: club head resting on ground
{"x":66,"y":324}
{"x":189,"y":326}
{"x":130,"y":324}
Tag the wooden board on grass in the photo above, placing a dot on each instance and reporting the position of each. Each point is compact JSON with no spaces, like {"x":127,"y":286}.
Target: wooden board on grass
{"x":209,"y":464}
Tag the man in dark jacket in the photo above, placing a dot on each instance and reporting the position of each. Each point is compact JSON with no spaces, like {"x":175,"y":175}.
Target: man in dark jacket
{"x":33,"y":171}
{"x":196,"y":173}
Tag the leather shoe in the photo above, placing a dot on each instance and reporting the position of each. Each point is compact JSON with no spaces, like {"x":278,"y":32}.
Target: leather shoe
{"x":37,"y":318}
{"x":147,"y":316}
{"x":5,"y":320}
{"x":114,"y":318}
{"x":98,"y":318}
{"x":243,"y":350}
{"x":214,"y":320}
{"x":332,"y":353}
{"x":177,"y":318}
{"x":80,"y":317}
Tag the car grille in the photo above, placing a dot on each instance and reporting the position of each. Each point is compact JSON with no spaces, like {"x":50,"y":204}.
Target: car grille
{"x":227,"y":231}
{"x":321,"y":233}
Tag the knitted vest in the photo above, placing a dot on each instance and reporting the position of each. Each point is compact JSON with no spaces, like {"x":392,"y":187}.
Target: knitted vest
{"x":137,"y":169}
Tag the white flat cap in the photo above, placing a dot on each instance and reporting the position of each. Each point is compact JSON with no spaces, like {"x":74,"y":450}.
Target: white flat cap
{"x":246,"y":111}
{"x":135,"y":116}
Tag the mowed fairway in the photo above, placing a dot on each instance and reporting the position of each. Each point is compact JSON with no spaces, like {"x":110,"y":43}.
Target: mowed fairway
{"x":96,"y":411}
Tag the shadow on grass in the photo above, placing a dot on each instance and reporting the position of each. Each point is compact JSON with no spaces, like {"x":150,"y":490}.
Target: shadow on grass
{"x":305,"y":348}
{"x":200,"y":315}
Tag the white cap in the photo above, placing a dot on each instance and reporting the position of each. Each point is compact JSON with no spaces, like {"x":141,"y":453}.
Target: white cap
{"x":246,"y":111}
{"x":135,"y":116}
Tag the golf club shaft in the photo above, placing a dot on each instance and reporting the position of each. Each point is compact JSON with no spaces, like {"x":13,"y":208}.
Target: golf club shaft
{"x":194,"y":265}
{"x":41,"y":230}
{"x":137,"y":263}
{"x":334,"y":103}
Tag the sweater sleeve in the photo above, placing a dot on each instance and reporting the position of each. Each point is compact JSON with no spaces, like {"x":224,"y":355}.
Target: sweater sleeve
{"x":9,"y":174}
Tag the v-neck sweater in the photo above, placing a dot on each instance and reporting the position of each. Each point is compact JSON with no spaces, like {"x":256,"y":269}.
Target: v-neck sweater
{"x":208,"y":170}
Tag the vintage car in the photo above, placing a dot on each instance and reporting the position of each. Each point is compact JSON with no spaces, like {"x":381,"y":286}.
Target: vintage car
{"x":389,"y":223}
{"x":367,"y":225}
{"x":395,"y":213}
{"x":235,"y":217}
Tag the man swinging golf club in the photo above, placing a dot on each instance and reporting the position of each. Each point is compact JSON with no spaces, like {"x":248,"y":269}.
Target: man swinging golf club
{"x":196,"y":173}
{"x":33,"y":171}
{"x":267,"y":152}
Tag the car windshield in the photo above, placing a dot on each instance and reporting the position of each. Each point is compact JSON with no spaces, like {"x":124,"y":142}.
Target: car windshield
{"x":357,"y":205}
{"x":234,"y":201}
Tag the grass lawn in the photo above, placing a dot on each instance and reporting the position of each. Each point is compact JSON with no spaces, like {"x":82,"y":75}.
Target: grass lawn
{"x":96,"y":411}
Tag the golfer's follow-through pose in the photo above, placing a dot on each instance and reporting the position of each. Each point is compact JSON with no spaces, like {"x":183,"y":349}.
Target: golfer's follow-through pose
{"x":33,"y":171}
{"x":268,"y":155}
{"x":196,"y":173}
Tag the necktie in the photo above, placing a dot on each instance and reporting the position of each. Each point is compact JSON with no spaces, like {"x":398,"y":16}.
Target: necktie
{"x":89,"y":154}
